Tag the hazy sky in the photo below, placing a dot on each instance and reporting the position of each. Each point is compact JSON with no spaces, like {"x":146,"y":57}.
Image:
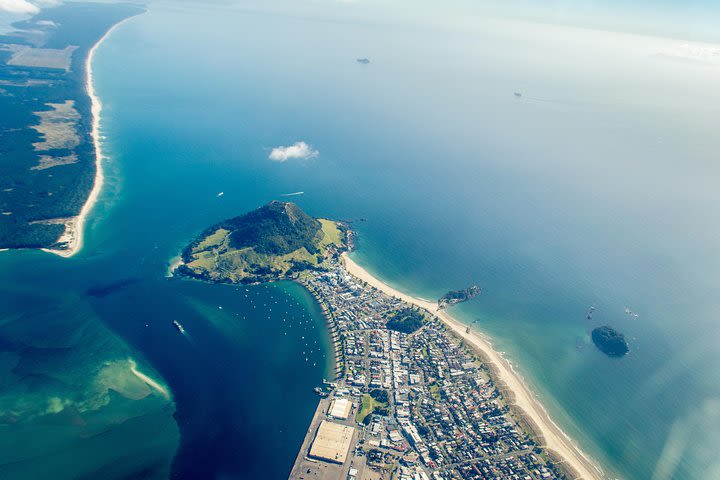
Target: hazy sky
{"x":692,"y":19}
{"x":688,"y":19}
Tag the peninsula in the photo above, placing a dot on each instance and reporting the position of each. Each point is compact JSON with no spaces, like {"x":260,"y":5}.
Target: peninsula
{"x":276,"y":241}
{"x":414,"y":394}
{"x":51,"y":173}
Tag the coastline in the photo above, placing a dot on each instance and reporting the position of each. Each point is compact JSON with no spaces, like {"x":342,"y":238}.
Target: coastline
{"x":173,"y":265}
{"x":338,"y":362}
{"x":73,"y":234}
{"x":552,"y":437}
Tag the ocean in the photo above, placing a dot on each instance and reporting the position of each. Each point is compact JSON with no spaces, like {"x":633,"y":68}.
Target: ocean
{"x":597,"y":186}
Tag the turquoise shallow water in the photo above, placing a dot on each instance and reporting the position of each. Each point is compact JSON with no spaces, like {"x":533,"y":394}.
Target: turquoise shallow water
{"x":594,"y":188}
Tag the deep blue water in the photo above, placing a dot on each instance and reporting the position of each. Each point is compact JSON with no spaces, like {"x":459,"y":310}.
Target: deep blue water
{"x":595,"y":188}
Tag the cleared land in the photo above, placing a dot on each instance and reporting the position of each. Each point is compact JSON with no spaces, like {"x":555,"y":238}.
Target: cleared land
{"x":58,"y":127}
{"x":59,"y":59}
{"x":25,"y":83}
{"x":48,"y":161}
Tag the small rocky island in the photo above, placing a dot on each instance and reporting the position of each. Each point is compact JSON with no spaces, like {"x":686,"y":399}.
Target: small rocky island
{"x":611,"y":342}
{"x":274,"y":242}
{"x":458,"y":296}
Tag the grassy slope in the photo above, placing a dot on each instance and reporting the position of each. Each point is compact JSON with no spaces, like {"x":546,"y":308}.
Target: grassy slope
{"x":368,"y":406}
{"x":214,"y":255}
{"x":406,"y":320}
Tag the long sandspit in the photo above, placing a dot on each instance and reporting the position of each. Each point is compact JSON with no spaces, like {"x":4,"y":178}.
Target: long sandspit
{"x":73,"y":235}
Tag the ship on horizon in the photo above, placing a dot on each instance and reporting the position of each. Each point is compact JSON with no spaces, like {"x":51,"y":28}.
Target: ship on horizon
{"x":179,"y":327}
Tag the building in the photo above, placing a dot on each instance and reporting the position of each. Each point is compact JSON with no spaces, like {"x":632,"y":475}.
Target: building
{"x":332,"y":442}
{"x":340,"y":408}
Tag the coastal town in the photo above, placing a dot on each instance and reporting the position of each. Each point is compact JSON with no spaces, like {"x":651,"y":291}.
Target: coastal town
{"x":414,"y":393}
{"x":410,"y":400}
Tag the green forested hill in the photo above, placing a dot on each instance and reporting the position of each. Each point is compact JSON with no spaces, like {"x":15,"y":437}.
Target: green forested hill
{"x":275,"y":241}
{"x":278,"y":228}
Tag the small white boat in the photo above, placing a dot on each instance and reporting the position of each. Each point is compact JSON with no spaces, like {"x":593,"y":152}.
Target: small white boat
{"x":179,"y":327}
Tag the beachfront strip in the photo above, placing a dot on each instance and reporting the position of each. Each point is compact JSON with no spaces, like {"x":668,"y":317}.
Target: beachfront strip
{"x":408,"y":406}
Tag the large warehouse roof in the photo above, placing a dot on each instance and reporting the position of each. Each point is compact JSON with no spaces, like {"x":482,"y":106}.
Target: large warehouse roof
{"x":340,"y":408}
{"x":332,"y":442}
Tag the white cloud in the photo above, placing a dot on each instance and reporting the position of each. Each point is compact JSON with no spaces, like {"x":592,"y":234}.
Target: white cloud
{"x":694,"y":52}
{"x":47,"y":23}
{"x":297,"y":150}
{"x":18,"y":6}
{"x":25,"y":6}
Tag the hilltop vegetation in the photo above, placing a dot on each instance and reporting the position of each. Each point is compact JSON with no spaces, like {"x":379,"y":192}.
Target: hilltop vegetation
{"x":406,"y":320}
{"x":458,"y":296}
{"x":275,"y":229}
{"x":275,"y":241}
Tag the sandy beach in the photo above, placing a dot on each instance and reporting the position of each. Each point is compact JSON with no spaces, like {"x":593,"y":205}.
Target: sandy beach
{"x":553,"y":438}
{"x":73,"y":235}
